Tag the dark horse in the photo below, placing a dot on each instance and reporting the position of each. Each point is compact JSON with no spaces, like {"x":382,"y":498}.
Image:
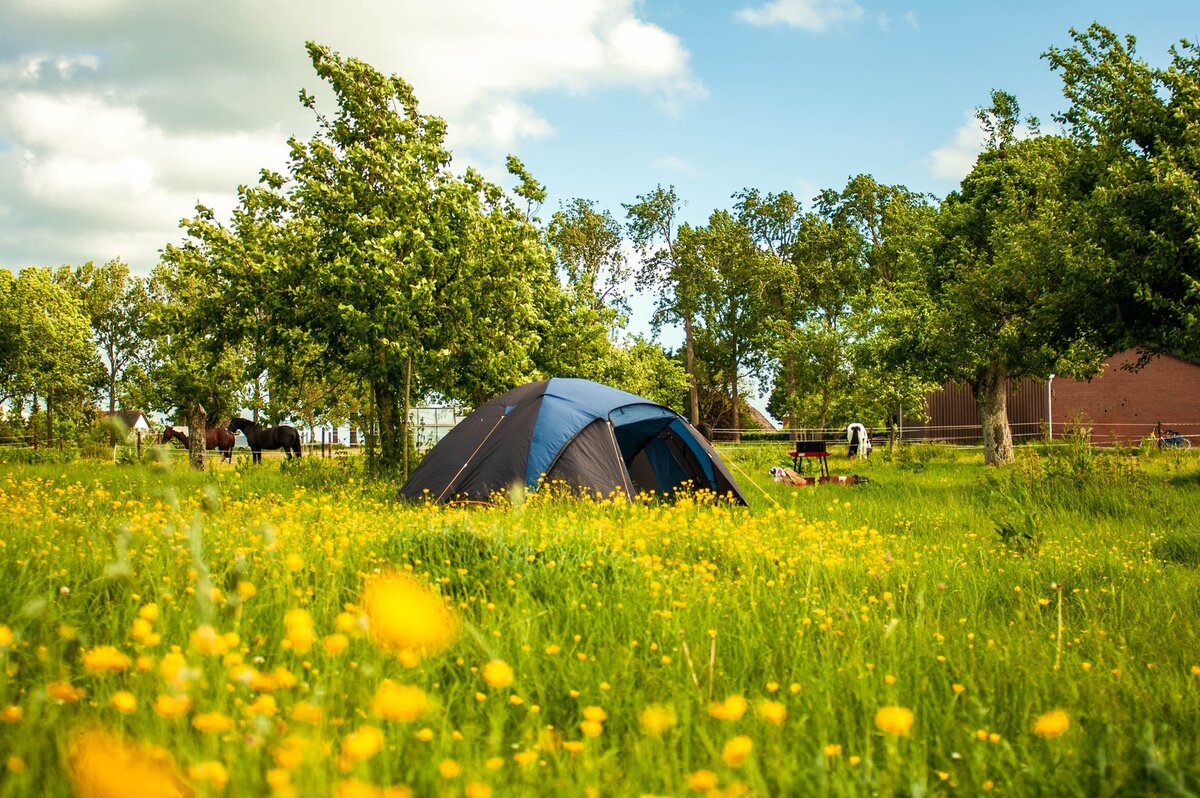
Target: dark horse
{"x":214,"y":438}
{"x":259,"y":438}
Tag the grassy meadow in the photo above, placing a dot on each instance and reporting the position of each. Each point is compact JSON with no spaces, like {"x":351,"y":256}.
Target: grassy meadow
{"x":291,"y":630}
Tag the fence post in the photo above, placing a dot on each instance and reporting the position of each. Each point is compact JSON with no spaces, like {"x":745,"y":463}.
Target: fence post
{"x":322,"y":441}
{"x":139,"y":444}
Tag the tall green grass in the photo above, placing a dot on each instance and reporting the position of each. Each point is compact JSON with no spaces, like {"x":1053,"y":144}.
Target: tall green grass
{"x":978,"y":598}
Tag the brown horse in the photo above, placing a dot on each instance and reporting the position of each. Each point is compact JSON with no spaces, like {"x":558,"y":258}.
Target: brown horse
{"x":214,"y":438}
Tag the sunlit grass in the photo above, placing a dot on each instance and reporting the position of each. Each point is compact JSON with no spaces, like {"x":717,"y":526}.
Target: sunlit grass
{"x":293,"y":631}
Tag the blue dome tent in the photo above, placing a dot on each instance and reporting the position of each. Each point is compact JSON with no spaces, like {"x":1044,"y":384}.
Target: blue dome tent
{"x":576,"y":432}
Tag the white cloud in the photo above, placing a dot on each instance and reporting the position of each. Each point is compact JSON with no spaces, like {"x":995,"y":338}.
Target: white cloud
{"x":955,"y":160}
{"x":112,"y":124}
{"x":811,"y":15}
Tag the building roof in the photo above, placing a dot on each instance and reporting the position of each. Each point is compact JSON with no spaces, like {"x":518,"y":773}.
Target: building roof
{"x":132,"y":419}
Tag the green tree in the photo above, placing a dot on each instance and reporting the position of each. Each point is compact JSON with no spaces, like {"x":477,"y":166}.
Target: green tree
{"x":413,"y":279}
{"x":1005,"y":293}
{"x":774,"y":223}
{"x":652,"y":223}
{"x":49,"y":355}
{"x":587,"y":245}
{"x":194,"y":369}
{"x":895,"y":226}
{"x":729,"y":274}
{"x":1142,"y":124}
{"x":116,"y":304}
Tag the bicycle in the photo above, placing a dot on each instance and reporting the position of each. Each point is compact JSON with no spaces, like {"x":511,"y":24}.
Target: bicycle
{"x":1172,"y":439}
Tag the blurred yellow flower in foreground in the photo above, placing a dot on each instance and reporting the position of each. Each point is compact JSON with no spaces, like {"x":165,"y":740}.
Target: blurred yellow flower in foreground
{"x":1052,"y":724}
{"x":702,"y":780}
{"x":124,"y":701}
{"x":172,"y":706}
{"x":773,"y":712}
{"x":300,"y":633}
{"x":732,"y":708}
{"x":736,"y":750}
{"x":656,"y":719}
{"x":498,"y":674}
{"x":362,"y":744}
{"x":400,"y":702}
{"x":212,"y":722}
{"x":894,"y":720}
{"x":407,"y":617}
{"x":6,"y":636}
{"x":103,"y":764}
{"x":105,"y":658}
{"x":209,"y":772}
{"x":62,"y":691}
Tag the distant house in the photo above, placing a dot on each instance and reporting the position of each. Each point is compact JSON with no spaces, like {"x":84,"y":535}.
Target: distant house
{"x":1118,"y":405}
{"x":134,"y":420}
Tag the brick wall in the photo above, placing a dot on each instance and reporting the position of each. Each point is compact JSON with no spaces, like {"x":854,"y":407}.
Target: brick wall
{"x":1122,"y":405}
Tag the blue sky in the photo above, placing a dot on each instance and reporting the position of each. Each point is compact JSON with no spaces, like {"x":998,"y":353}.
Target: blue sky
{"x":116,"y":116}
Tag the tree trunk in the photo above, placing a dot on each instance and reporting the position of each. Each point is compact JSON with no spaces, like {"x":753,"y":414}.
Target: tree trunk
{"x":407,"y":410}
{"x":49,"y":423}
{"x":390,"y":443}
{"x":690,"y":363}
{"x":790,"y":386}
{"x":737,"y":414}
{"x":112,"y":398}
{"x":991,"y":392}
{"x":196,"y":418}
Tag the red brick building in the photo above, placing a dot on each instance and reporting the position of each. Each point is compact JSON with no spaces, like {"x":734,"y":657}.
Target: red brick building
{"x":1119,"y":405}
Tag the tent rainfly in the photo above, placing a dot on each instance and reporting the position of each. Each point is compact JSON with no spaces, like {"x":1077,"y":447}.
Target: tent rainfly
{"x":576,"y":432}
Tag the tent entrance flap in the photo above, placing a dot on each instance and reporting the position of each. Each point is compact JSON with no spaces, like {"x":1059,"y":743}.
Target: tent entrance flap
{"x":659,"y":458}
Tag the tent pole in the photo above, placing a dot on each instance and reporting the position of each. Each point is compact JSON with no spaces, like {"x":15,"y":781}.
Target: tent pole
{"x":612,"y":436}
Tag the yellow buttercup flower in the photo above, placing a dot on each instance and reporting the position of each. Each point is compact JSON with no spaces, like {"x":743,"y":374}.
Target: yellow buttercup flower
{"x":832,"y":750}
{"x":449,"y":769}
{"x":732,"y":708}
{"x":736,"y":750}
{"x":1052,"y":724}
{"x":6,"y":636}
{"x":498,"y":674}
{"x":212,"y":722}
{"x":773,"y":712}
{"x":64,"y":692}
{"x":124,"y":701}
{"x":894,"y":720}
{"x":264,"y":705}
{"x":656,"y":719}
{"x":306,"y":712}
{"x":354,"y":788}
{"x":209,"y":772}
{"x":300,"y":634}
{"x":702,"y":780}
{"x":207,"y":640}
{"x":407,"y":617}
{"x":362,"y":744}
{"x":105,"y":658}
{"x":172,"y":706}
{"x":400,"y":702}
{"x":477,"y":789}
{"x":335,"y":643}
{"x":104,"y":764}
